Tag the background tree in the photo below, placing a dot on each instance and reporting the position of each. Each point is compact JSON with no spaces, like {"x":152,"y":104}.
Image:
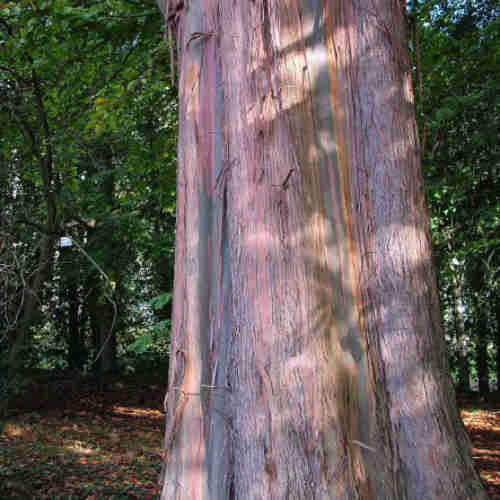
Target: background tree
{"x":88,"y":120}
{"x":454,"y":47}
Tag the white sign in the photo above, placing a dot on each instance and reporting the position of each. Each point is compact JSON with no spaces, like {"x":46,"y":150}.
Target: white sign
{"x":65,"y":241}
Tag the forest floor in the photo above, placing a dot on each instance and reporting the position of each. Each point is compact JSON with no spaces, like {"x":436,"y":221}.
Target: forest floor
{"x":481,"y":416}
{"x":85,"y":444}
{"x":108,"y":445}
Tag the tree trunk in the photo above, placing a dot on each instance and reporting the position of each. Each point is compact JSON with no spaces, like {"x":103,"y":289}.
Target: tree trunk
{"x":482,"y":365}
{"x":31,"y":307}
{"x":497,"y":339}
{"x":462,"y":338}
{"x":102,"y":318}
{"x":308,"y":358}
{"x":76,"y":343}
{"x":41,"y":148}
{"x":477,"y":279}
{"x":71,"y":316}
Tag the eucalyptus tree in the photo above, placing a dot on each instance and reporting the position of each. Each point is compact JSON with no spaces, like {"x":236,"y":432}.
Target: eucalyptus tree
{"x":307,"y":357}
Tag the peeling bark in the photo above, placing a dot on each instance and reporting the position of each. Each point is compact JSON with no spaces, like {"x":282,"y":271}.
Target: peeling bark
{"x":308,"y":358}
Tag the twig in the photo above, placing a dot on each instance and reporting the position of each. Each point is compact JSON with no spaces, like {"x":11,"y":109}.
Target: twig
{"x":362,"y":445}
{"x":197,"y":35}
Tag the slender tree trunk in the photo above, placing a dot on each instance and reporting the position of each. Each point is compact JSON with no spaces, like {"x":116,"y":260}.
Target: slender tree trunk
{"x":462,"y":339}
{"x":480,"y":325}
{"x":497,"y":340}
{"x":76,"y":345}
{"x":31,"y":307}
{"x":102,"y":307}
{"x":71,"y":317}
{"x":104,"y":333}
{"x":482,"y":365}
{"x":107,"y":340}
{"x":41,"y":148}
{"x":308,"y":358}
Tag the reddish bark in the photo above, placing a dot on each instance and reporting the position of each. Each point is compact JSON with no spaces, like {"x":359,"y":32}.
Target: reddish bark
{"x":307,"y":351}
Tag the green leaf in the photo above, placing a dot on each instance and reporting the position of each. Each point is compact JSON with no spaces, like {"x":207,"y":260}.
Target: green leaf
{"x":141,"y":344}
{"x":160,"y":301}
{"x":132,"y":85}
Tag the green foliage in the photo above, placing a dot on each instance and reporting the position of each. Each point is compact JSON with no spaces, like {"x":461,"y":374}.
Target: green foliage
{"x":459,"y":121}
{"x":85,"y":95}
{"x":160,"y":301}
{"x":153,"y":344}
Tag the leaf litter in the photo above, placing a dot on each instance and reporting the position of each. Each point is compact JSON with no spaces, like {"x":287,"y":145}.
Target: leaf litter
{"x":97,"y":445}
{"x":109,"y":445}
